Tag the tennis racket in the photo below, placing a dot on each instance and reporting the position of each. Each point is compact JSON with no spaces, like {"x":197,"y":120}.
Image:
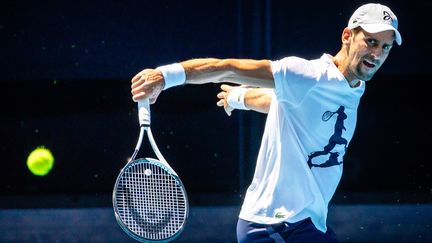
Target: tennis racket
{"x":327,"y":115}
{"x":149,"y":200}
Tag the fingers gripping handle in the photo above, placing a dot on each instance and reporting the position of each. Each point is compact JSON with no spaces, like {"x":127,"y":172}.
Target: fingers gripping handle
{"x":144,"y":112}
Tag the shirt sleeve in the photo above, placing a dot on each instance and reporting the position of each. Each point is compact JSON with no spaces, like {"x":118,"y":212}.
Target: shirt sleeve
{"x":293,"y":77}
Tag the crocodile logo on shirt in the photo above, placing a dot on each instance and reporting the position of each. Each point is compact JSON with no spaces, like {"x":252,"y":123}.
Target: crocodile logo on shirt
{"x":335,"y":139}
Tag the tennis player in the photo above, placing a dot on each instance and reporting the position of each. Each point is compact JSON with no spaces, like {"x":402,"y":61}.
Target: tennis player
{"x":312,"y":113}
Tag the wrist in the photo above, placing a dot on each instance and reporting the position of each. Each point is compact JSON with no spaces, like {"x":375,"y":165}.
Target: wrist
{"x":174,"y":75}
{"x":236,"y":98}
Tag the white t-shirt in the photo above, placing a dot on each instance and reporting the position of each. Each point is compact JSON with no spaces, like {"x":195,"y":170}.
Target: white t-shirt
{"x":311,"y":120}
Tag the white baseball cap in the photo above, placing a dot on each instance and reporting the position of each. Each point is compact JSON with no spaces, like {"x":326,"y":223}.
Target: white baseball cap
{"x":374,"y":18}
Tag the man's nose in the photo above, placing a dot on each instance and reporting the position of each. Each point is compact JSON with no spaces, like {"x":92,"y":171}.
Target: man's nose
{"x":377,"y":52}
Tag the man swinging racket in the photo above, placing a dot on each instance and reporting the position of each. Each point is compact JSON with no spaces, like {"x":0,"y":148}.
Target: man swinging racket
{"x":300,"y":161}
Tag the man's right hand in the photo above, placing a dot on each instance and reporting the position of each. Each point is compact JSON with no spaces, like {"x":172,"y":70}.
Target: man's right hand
{"x":147,"y":84}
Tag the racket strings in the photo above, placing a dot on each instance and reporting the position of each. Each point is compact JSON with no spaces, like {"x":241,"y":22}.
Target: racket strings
{"x":151,"y":202}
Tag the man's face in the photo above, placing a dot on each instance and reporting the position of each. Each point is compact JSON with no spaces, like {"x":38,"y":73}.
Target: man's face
{"x":367,"y":52}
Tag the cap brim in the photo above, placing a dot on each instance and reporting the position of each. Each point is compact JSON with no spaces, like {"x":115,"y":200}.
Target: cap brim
{"x":375,"y":28}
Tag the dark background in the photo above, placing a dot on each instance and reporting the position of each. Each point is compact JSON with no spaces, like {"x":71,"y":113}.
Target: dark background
{"x":65,"y":84}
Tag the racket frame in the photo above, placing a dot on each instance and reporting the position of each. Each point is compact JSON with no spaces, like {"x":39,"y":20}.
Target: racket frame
{"x":327,"y":115}
{"x":144,"y":121}
{"x":170,"y":171}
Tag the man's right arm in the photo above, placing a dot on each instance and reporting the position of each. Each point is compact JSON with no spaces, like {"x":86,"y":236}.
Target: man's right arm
{"x":251,"y":72}
{"x":149,"y":83}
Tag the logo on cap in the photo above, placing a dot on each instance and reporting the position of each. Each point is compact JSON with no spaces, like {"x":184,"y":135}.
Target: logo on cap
{"x":387,"y":17}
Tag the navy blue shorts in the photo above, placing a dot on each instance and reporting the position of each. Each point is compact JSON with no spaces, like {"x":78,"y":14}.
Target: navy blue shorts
{"x":302,"y":231}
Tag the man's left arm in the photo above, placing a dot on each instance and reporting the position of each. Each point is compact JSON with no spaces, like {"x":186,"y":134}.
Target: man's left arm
{"x":244,"y":98}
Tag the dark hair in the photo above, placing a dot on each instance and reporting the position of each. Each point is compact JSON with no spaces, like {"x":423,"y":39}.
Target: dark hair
{"x":356,"y":29}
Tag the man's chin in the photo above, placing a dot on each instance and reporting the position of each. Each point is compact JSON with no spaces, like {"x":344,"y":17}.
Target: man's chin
{"x":365,"y":76}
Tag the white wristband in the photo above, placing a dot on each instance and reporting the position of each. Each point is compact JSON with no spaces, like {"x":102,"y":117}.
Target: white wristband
{"x":235,"y":98}
{"x":174,"y":75}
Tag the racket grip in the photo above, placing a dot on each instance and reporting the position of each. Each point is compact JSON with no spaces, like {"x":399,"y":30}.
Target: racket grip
{"x":144,"y":112}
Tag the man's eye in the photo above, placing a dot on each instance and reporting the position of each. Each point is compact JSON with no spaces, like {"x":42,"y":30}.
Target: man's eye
{"x":371,"y":42}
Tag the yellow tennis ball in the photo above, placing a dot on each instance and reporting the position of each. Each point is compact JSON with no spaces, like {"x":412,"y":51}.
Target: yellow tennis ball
{"x":40,"y":161}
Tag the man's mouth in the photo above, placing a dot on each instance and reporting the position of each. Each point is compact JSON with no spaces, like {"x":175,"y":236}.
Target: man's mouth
{"x":368,"y":64}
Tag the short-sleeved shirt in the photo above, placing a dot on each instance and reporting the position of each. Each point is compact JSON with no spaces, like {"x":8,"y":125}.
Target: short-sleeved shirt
{"x":310,"y":123}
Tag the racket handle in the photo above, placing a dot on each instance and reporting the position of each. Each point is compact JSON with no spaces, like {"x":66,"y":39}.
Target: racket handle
{"x":144,"y":112}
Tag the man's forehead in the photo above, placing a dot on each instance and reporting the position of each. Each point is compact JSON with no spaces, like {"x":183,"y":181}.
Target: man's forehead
{"x":387,"y":36}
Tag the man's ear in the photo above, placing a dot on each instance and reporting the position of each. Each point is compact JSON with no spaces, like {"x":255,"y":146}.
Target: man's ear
{"x":346,"y":36}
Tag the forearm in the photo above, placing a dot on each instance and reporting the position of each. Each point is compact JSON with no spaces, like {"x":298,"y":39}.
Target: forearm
{"x":244,"y":98}
{"x":258,"y":99}
{"x":239,"y":71}
{"x":149,"y":83}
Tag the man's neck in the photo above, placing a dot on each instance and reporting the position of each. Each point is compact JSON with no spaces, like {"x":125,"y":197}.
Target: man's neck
{"x":340,"y":60}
